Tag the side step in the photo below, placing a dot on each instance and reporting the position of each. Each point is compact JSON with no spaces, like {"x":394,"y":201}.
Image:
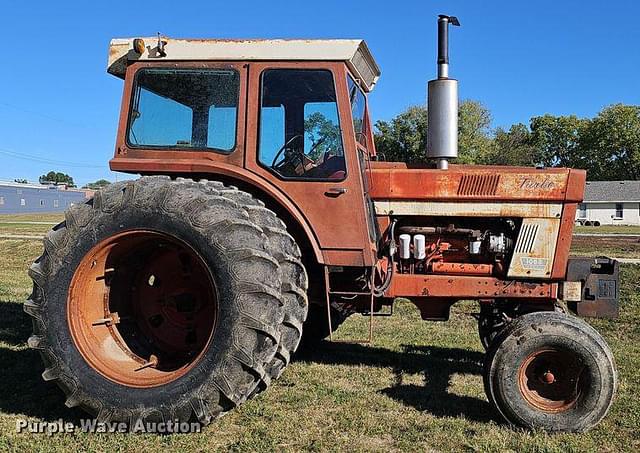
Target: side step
{"x":329,"y":293}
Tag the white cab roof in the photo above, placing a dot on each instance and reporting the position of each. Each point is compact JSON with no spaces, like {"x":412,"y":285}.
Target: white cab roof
{"x":354,"y":52}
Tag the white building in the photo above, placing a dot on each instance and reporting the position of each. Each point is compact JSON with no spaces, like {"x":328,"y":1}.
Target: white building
{"x":610,"y":203}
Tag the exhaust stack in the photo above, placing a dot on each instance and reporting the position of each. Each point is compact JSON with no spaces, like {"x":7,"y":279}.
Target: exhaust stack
{"x":442,"y":137}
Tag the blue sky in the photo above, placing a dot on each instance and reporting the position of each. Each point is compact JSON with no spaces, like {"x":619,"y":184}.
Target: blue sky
{"x":520,"y":59}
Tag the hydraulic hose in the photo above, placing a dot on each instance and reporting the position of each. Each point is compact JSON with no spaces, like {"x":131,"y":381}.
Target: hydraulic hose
{"x":378,"y":291}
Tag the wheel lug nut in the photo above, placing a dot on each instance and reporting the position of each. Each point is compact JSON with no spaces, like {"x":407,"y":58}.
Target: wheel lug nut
{"x":151,"y":363}
{"x":112,"y":318}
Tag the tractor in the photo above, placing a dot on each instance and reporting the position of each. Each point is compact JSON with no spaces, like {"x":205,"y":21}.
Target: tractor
{"x":262,"y":216}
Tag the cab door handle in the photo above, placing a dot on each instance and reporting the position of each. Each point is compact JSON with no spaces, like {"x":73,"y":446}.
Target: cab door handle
{"x":335,"y":191}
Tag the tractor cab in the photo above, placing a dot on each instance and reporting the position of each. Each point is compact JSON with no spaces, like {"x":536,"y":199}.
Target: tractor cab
{"x":288,"y":118}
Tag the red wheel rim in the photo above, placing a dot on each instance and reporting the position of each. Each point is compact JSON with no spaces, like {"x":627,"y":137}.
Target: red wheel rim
{"x":142,"y":308}
{"x":552,"y":380}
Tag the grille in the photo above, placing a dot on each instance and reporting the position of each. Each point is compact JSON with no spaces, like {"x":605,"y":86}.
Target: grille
{"x":476,"y":185}
{"x":527,"y":238}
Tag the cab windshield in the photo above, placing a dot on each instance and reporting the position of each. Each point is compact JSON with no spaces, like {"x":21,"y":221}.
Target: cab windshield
{"x":184,"y":108}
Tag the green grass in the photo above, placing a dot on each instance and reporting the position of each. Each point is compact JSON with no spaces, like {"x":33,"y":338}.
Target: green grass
{"x":53,"y":217}
{"x":24,"y":228}
{"x":23,"y":223}
{"x":419,"y":387}
{"x":609,"y":229}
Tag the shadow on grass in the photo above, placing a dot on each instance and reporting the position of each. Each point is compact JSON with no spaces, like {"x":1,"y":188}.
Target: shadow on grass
{"x":437,"y":364}
{"x":23,"y":391}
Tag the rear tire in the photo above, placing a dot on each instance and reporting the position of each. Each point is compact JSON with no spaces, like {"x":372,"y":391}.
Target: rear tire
{"x":249,"y":277}
{"x":293,"y":276}
{"x":552,"y":371}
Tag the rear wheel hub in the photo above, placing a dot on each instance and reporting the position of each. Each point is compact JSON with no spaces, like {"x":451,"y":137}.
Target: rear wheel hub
{"x":142,"y":308}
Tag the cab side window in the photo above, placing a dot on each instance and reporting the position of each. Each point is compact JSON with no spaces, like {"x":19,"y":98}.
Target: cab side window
{"x":300,"y":135}
{"x":358,"y":110}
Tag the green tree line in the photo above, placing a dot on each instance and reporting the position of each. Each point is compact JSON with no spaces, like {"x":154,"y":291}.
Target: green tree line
{"x":57,"y":177}
{"x":607,"y":145}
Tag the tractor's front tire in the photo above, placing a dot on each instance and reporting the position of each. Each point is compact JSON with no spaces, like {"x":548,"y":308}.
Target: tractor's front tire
{"x":495,"y":317}
{"x":165,"y":300}
{"x":551,"y":371}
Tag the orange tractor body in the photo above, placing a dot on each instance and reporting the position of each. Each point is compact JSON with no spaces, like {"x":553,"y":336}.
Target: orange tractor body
{"x":264,"y":215}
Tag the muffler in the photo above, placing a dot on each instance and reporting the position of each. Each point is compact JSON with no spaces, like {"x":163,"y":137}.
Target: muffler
{"x":442,"y":137}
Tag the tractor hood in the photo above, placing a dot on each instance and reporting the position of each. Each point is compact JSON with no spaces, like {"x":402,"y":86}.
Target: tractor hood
{"x":398,"y":181}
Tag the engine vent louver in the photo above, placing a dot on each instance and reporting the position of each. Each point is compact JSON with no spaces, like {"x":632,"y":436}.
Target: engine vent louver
{"x":526,"y":238}
{"x":478,"y":185}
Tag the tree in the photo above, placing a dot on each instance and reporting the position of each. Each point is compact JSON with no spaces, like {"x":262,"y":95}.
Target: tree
{"x":612,"y":141}
{"x":323,"y":133}
{"x":607,"y":146}
{"x":99,"y":184}
{"x":474,"y":134}
{"x":404,"y":138}
{"x":57,"y":178}
{"x":557,"y":139}
{"x":21,"y":181}
{"x":513,"y":147}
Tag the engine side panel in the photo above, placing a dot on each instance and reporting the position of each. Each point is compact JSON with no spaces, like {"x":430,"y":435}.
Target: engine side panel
{"x":534,"y":250}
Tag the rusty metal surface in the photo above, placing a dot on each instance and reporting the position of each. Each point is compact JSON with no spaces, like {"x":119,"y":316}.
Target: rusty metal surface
{"x":533,"y":252}
{"x":442,"y":267}
{"x":471,"y":287}
{"x":341,"y":257}
{"x":515,"y":183}
{"x":576,"y":185}
{"x":339,"y":222}
{"x":465,"y":208}
{"x":150,"y":335}
{"x":600,"y":286}
{"x":336,"y":226}
{"x":307,"y":202}
{"x":551,"y":380}
{"x":563,"y":244}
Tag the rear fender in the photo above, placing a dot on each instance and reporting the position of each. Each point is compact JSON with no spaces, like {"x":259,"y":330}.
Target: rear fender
{"x":273,"y":198}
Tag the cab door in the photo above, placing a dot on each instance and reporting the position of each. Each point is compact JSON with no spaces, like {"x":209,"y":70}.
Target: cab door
{"x":300,"y":137}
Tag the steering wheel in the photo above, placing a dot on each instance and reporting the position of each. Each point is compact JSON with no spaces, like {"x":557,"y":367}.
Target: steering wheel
{"x":278,"y":165}
{"x":318,"y":143}
{"x":302,"y":159}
